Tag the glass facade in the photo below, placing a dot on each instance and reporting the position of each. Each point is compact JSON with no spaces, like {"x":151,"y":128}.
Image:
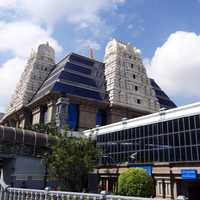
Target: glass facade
{"x":175,"y":140}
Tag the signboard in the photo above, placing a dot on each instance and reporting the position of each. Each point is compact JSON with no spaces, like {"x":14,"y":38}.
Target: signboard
{"x":147,"y":168}
{"x":189,"y":174}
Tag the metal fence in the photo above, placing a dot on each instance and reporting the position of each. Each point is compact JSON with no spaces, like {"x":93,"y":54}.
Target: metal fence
{"x":10,"y":193}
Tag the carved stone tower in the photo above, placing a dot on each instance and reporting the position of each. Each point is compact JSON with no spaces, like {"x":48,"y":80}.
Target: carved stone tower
{"x":126,"y":78}
{"x":37,"y":69}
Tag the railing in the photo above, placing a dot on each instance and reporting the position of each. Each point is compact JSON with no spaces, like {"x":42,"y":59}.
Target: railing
{"x":10,"y":193}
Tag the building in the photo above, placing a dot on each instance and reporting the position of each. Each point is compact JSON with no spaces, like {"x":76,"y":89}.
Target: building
{"x":81,"y":92}
{"x":166,"y":144}
{"x":163,"y":99}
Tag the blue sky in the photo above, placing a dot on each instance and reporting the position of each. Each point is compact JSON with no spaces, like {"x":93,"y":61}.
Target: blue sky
{"x":166,"y":32}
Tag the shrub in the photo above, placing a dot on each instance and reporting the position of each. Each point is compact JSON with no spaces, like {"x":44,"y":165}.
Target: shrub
{"x":135,"y":182}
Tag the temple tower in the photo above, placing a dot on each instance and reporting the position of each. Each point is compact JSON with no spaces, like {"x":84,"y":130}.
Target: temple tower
{"x":126,"y":78}
{"x":38,"y":67}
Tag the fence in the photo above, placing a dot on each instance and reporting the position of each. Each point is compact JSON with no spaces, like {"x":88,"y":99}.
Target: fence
{"x":10,"y":193}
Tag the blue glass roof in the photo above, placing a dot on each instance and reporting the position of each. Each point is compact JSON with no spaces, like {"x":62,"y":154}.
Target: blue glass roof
{"x":163,"y":99}
{"x":82,"y":59}
{"x":77,"y":78}
{"x":60,"y":87}
{"x":74,"y":76}
{"x":78,"y":68}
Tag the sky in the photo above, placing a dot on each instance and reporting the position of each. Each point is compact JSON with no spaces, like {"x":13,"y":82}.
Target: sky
{"x":167,"y":33}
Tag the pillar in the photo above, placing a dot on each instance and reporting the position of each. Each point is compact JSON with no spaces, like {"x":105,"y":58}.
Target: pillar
{"x":168,"y":191}
{"x":107,"y":182}
{"x":159,"y":188}
{"x":175,"y":189}
{"x":36,"y":116}
{"x":61,"y":112}
{"x":51,"y":109}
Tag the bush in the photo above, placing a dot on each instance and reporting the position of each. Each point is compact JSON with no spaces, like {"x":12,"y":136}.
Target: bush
{"x":135,"y":182}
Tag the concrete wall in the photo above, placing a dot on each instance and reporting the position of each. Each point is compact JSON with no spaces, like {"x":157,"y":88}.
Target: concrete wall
{"x":22,"y":171}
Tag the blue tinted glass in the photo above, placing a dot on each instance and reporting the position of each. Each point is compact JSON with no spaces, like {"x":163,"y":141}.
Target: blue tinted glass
{"x":76,"y":91}
{"x":81,"y":59}
{"x":101,"y":118}
{"x":78,"y":68}
{"x":72,"y":119}
{"x":77,"y":78}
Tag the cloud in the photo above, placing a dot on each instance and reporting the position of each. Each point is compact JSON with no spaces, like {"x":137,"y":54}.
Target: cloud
{"x":19,"y":38}
{"x":87,"y":18}
{"x":16,"y":41}
{"x":176,"y":64}
{"x":53,"y":11}
{"x":83,"y":44}
{"x":130,"y":26}
{"x":7,"y":4}
{"x":9,"y":74}
{"x":27,"y":23}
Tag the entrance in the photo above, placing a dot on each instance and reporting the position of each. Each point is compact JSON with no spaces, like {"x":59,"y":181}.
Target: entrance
{"x":191,"y":189}
{"x":194,"y":191}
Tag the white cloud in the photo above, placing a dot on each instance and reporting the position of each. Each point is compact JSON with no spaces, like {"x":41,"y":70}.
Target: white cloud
{"x":50,"y":12}
{"x":9,"y":74}
{"x":83,"y":44}
{"x":17,"y":39}
{"x":20,"y":37}
{"x":176,"y":64}
{"x":130,"y":26}
{"x":7,"y":3}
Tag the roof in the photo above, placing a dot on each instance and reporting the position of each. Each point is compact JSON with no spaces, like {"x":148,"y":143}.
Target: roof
{"x":165,"y":115}
{"x":163,"y":99}
{"x":75,"y":75}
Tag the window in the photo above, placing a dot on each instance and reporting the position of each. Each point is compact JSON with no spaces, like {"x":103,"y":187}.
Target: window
{"x":131,"y":65}
{"x":73,"y":115}
{"x":138,"y":101}
{"x":134,"y":76}
{"x":136,"y":88}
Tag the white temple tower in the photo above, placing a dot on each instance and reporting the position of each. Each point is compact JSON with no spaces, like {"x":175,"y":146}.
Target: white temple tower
{"x":37,"y":69}
{"x":126,"y":78}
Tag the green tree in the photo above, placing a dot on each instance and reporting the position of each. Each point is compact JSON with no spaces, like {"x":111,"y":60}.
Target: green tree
{"x":71,"y":160}
{"x":135,"y":182}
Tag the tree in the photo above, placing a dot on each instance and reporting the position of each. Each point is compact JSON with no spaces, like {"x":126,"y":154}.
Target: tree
{"x":71,"y":160}
{"x":135,"y":182}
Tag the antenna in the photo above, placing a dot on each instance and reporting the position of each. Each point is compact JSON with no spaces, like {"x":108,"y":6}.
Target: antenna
{"x":91,"y":52}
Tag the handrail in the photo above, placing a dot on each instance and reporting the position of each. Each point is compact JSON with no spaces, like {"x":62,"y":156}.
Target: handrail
{"x":2,"y":182}
{"x":10,"y":193}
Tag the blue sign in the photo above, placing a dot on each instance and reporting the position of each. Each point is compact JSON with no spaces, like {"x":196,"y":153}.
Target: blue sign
{"x":148,"y":168}
{"x":189,"y":174}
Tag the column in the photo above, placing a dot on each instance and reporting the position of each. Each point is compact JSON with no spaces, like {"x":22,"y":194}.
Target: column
{"x":51,"y":107}
{"x":61,"y":112}
{"x":36,"y":116}
{"x":175,"y":189}
{"x":107,"y":182}
{"x":168,"y":192}
{"x":159,"y":189}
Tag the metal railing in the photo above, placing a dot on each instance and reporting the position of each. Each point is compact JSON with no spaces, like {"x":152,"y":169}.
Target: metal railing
{"x":10,"y":193}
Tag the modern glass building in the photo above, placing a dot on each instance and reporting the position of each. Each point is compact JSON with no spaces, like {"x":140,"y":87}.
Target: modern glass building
{"x":174,"y":140}
{"x":166,"y":144}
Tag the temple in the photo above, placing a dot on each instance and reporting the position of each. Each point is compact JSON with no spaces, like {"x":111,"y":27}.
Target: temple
{"x":80,"y":92}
